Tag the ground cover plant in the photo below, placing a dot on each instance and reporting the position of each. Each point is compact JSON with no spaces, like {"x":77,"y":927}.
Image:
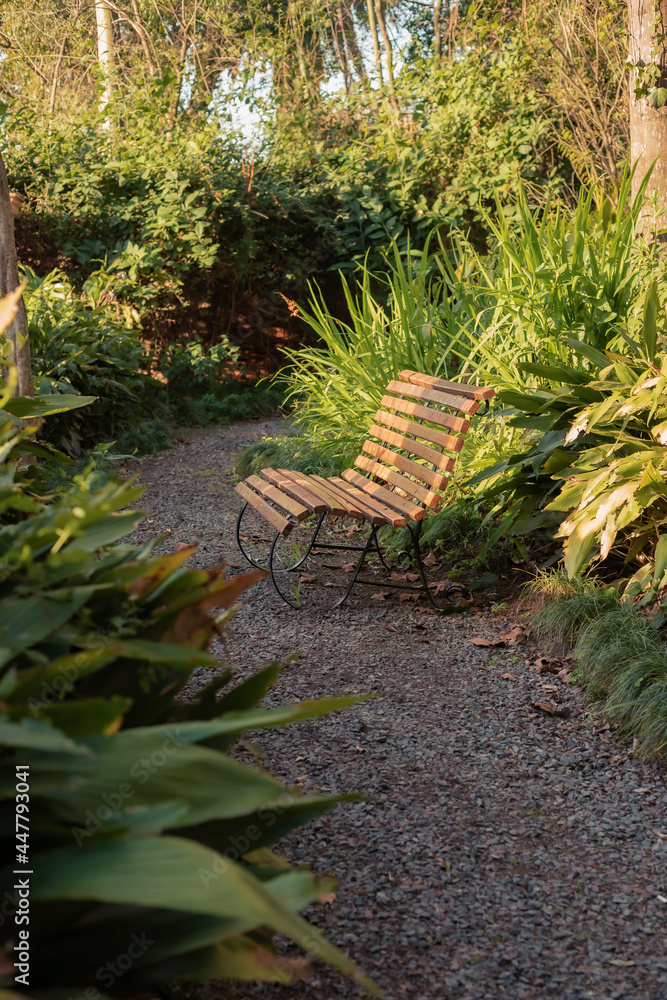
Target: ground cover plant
{"x":619,"y":650}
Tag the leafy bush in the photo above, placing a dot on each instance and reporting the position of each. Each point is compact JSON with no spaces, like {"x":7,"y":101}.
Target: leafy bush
{"x":623,"y":663}
{"x":97,"y":640}
{"x":81,"y":347}
{"x":599,"y":457}
{"x":176,"y":219}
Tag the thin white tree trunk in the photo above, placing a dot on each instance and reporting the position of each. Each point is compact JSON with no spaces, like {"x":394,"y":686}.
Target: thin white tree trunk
{"x":374,"y":39}
{"x":104,"y":53}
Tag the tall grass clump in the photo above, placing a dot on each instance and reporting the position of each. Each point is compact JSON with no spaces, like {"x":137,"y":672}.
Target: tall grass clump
{"x":400,"y":318}
{"x":568,"y":605}
{"x":551,"y":275}
{"x":623,"y":664}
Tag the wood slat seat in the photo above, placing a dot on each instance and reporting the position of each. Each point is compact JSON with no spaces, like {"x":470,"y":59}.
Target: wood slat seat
{"x":402,"y":469}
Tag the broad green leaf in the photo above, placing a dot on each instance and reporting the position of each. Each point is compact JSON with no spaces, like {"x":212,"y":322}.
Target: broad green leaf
{"x":86,"y":717}
{"x":134,"y":873}
{"x":35,"y":735}
{"x":26,"y":621}
{"x":45,"y":405}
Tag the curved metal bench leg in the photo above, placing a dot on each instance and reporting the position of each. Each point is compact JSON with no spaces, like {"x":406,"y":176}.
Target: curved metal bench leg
{"x":451,"y":590}
{"x":238,"y":539}
{"x":381,"y":554}
{"x":294,"y":566}
{"x":360,"y":562}
{"x":310,"y":545}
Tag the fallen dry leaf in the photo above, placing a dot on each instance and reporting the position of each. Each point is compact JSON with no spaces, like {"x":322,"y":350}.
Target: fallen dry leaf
{"x":327,"y":897}
{"x":544,"y":665}
{"x":430,"y":560}
{"x":352,"y":530}
{"x":408,"y":597}
{"x":182,"y":546}
{"x":546,"y":706}
{"x":380,"y":596}
{"x":516,"y":637}
{"x":298,"y":969}
{"x":488,"y":642}
{"x":391,"y":628}
{"x":307,"y":578}
{"x":348,"y":568}
{"x":509,"y":677}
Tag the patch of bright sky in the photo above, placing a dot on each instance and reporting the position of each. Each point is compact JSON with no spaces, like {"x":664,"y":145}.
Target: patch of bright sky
{"x":243,"y":103}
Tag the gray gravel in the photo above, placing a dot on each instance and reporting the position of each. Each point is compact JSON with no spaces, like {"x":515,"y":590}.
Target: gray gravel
{"x":503,"y":853}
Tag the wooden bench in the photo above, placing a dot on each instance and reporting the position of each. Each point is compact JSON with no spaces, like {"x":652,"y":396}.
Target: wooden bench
{"x":397,"y":478}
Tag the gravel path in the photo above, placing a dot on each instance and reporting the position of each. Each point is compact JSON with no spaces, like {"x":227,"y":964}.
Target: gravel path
{"x":504,"y":853}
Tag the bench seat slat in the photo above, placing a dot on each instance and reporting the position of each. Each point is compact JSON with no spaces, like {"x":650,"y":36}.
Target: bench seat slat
{"x":469,"y":406}
{"x":310,"y":500}
{"x":412,"y":510}
{"x":419,"y":430}
{"x":445,"y":462}
{"x":347,"y":497}
{"x":333,"y":503}
{"x":459,"y":389}
{"x":377,"y":512}
{"x":293,"y":507}
{"x":396,"y":479}
{"x":269,"y":513}
{"x":403,"y":464}
{"x":457,"y":424}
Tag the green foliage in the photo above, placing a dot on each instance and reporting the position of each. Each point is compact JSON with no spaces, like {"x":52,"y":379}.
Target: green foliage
{"x":176,"y":218}
{"x":336,"y":389}
{"x":81,"y":347}
{"x":192,"y":370}
{"x":571,"y":603}
{"x":623,"y":663}
{"x":621,"y":655}
{"x":97,"y":640}
{"x":291,"y":451}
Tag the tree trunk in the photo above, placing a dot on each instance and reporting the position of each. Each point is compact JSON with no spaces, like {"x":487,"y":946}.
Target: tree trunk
{"x":379,"y":14}
{"x":374,"y":38}
{"x":338,"y":38}
{"x":648,"y":125}
{"x":437,"y":30}
{"x":347,"y":26}
{"x":104,"y":52}
{"x":17,"y":333}
{"x":138,"y":26}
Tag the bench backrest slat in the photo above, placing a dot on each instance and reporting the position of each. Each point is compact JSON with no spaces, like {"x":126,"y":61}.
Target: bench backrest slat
{"x":397,"y":445}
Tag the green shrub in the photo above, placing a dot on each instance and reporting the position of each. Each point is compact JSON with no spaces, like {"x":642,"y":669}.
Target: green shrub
{"x":80,"y":347}
{"x":620,"y":654}
{"x":142,"y":828}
